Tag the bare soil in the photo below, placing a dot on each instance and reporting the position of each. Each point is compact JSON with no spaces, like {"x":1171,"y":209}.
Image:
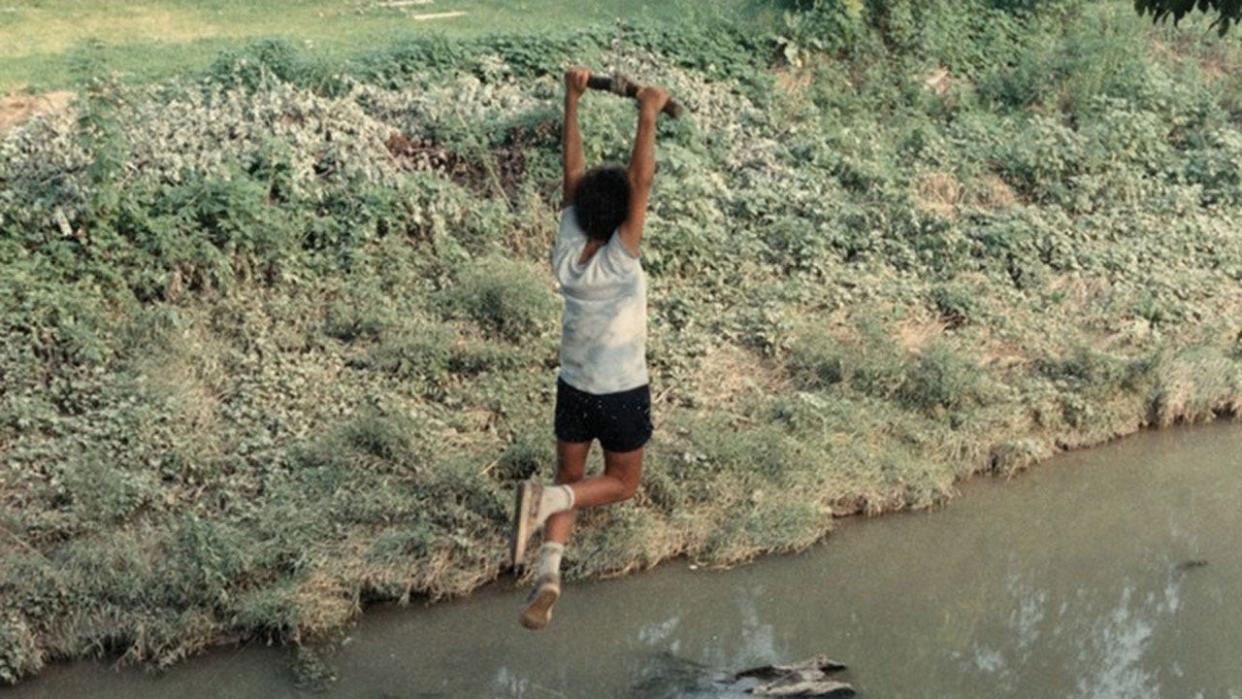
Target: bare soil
{"x":14,"y":109}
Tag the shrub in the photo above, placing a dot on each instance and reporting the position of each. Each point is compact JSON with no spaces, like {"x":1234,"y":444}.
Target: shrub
{"x":366,"y":446}
{"x":881,"y":370}
{"x":956,"y":305}
{"x":205,"y":562}
{"x":1083,"y":367}
{"x":382,"y":437}
{"x":503,"y":296}
{"x":819,"y":25}
{"x":530,"y":455}
{"x":347,"y":321}
{"x":941,"y":378}
{"x":816,"y":359}
{"x":261,"y":62}
{"x":269,"y":612}
{"x":100,"y":493}
{"x":421,"y":353}
{"x":19,"y":652}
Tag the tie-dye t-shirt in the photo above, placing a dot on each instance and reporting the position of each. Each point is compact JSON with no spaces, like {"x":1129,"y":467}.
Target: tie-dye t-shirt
{"x":604,"y":330}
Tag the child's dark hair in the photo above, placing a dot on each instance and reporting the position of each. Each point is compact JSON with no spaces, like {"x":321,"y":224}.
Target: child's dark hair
{"x":602,"y":200}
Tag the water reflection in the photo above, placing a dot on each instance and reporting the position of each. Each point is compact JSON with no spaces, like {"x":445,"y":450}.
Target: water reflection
{"x":1099,"y":635}
{"x":1112,"y":653}
{"x":1036,"y":624}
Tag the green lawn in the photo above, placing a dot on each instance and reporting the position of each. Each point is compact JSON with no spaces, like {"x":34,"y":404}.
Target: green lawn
{"x":151,"y":39}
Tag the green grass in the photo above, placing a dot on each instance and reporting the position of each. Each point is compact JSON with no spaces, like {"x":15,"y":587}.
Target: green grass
{"x":42,"y":42}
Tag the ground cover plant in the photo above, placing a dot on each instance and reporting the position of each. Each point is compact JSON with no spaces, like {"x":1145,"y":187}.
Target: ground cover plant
{"x":279,"y":340}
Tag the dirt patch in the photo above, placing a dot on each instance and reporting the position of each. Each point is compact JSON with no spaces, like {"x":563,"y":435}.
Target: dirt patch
{"x":511,"y":156}
{"x":504,"y":169}
{"x":15,"y":109}
{"x":426,"y":155}
{"x":436,"y":15}
{"x":938,"y":81}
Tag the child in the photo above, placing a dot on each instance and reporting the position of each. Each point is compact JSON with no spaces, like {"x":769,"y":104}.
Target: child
{"x":602,"y":390}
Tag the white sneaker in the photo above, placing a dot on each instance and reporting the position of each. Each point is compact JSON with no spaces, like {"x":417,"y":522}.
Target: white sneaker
{"x":539,"y":603}
{"x":525,"y":514}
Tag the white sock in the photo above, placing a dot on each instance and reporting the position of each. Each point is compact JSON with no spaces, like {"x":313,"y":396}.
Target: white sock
{"x":555,"y":498}
{"x":549,"y":563}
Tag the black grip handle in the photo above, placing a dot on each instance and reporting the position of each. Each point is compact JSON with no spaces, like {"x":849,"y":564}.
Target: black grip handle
{"x":620,"y":85}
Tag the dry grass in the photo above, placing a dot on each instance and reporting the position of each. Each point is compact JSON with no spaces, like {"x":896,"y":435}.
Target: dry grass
{"x":183,"y":383}
{"x":1004,"y":354}
{"x":1215,"y":67}
{"x":992,"y":193}
{"x":939,"y":193}
{"x":325,"y":603}
{"x":915,"y":335}
{"x":1213,"y":64}
{"x":793,"y":80}
{"x":728,"y":374}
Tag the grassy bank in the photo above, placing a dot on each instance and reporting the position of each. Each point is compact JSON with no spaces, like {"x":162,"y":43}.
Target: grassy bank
{"x":279,"y":339}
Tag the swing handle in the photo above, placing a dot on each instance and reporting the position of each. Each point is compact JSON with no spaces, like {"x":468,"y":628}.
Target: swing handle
{"x":620,"y":85}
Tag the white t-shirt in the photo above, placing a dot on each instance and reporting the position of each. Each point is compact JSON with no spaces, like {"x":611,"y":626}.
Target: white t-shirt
{"x":604,"y":329}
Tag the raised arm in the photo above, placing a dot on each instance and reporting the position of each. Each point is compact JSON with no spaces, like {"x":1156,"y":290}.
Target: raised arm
{"x":573,"y":164}
{"x":642,"y":166}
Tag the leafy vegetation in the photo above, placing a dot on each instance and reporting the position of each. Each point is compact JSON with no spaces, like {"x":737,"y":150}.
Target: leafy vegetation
{"x":1228,"y":13}
{"x":280,"y":339}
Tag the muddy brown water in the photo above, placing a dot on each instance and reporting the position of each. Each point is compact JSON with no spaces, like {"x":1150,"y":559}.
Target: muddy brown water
{"x":1112,"y":572}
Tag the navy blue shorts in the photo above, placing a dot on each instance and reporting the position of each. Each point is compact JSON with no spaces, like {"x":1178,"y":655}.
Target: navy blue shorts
{"x":620,"y":421}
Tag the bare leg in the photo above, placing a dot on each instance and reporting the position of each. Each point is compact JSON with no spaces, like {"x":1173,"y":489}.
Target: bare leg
{"x":570,"y":468}
{"x":622,"y":471}
{"x":619,"y":481}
